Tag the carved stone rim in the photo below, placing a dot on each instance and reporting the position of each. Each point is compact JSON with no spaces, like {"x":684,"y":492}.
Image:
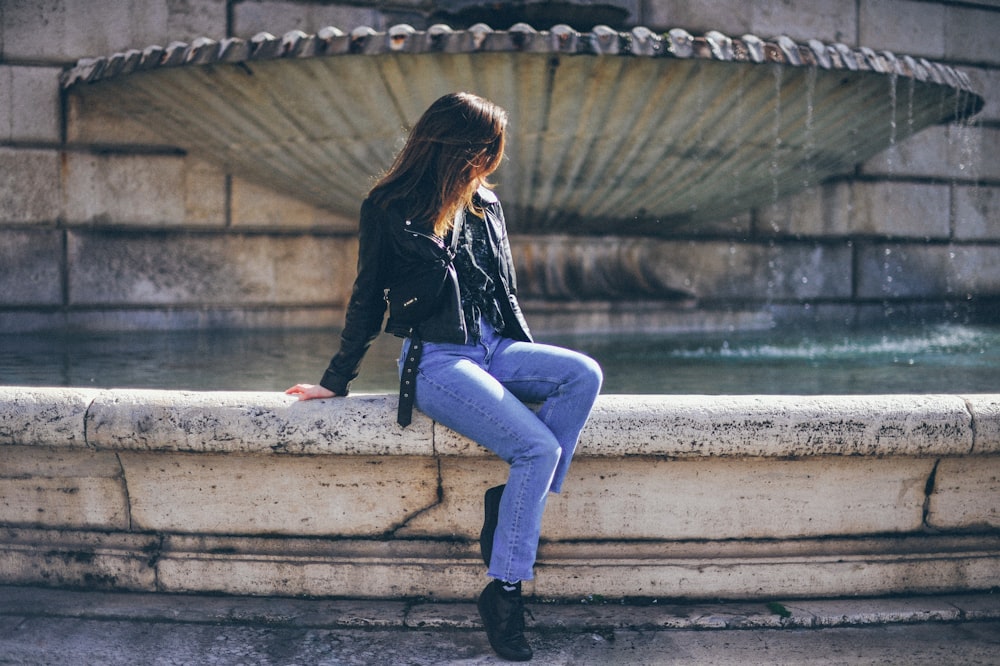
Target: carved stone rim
{"x":560,"y":39}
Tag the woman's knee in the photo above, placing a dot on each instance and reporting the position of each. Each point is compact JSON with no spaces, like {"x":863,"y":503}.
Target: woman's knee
{"x":544,"y":452}
{"x":589,"y":375}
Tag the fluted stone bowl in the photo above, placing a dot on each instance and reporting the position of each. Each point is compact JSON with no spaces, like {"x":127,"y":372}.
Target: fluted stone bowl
{"x":631,"y":132}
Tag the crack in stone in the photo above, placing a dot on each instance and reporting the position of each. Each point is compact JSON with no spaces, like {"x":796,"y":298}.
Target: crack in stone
{"x":408,"y":606}
{"x":972,"y":424}
{"x":154,"y":551}
{"x":86,"y":424}
{"x":128,"y":498}
{"x":928,"y":492}
{"x":439,"y":499}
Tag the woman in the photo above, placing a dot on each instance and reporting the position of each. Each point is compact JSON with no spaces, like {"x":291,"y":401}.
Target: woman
{"x":473,"y":359}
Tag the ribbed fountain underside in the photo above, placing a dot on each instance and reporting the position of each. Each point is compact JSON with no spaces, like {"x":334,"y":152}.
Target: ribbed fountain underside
{"x":606,"y":127}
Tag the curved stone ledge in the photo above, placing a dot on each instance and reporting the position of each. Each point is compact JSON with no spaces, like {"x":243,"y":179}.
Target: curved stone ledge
{"x":245,"y":422}
{"x":673,"y":426}
{"x":686,"y":496}
{"x":33,"y":415}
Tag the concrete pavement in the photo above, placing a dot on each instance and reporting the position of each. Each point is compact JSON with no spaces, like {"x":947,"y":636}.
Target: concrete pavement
{"x":52,"y":626}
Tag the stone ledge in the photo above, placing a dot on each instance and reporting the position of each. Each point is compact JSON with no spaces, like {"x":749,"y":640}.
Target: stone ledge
{"x":363,"y":568}
{"x":681,"y":426}
{"x":683,"y":496}
{"x":588,"y":616}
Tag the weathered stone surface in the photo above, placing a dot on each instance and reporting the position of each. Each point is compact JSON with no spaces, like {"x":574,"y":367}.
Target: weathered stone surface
{"x":33,"y":110}
{"x":903,"y":26}
{"x":970,"y":34}
{"x":987,"y":80}
{"x":29,"y":267}
{"x":30,"y":322}
{"x":56,"y":487}
{"x":94,"y":560}
{"x":711,"y":426}
{"x":335,"y":567}
{"x":561,"y":267}
{"x":974,"y":152}
{"x":258,"y":206}
{"x":69,"y":29}
{"x":756,"y":271}
{"x":835,"y":21}
{"x":217,"y":609}
{"x":899,"y":210}
{"x":740,"y":499}
{"x":892,"y":270}
{"x":945,"y":151}
{"x":977,"y":210}
{"x":747,"y":577}
{"x":817,"y":211}
{"x":277,"y":18}
{"x":251,"y":422}
{"x":305,"y":495}
{"x":144,"y":190}
{"x":154,"y":318}
{"x":681,"y":570}
{"x":985,"y":411}
{"x":731,"y":17}
{"x":653,"y":498}
{"x":621,"y":425}
{"x":460,"y":511}
{"x":739,"y":226}
{"x":153,"y":190}
{"x":613,"y":317}
{"x":86,"y":123}
{"x":112,"y":268}
{"x":585,"y":617}
{"x":44,"y":416}
{"x":29,"y":190}
{"x":205,"y":194}
{"x":966,"y":494}
{"x":700,"y":496}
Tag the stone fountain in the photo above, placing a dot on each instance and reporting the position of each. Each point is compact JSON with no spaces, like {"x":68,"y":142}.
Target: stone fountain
{"x":635,"y":133}
{"x":614,"y":133}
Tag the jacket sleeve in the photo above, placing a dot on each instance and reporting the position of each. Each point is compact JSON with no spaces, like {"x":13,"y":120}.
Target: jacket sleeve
{"x":366,"y":309}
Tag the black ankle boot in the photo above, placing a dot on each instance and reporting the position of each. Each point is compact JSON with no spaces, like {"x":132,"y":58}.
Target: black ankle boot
{"x":491,"y":503}
{"x":503,"y":617}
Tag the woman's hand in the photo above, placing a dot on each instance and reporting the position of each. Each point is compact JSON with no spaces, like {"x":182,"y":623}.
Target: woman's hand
{"x":310,"y":392}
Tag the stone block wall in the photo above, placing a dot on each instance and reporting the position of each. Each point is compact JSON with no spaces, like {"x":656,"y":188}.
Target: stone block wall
{"x":102,"y":226}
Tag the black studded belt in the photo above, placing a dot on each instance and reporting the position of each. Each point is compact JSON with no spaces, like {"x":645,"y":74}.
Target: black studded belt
{"x":408,"y":381}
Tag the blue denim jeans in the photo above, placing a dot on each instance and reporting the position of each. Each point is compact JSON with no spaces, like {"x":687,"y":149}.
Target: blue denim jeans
{"x":479,"y":390}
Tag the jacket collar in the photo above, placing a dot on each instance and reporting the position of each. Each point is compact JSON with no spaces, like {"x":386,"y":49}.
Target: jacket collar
{"x":486,"y":195}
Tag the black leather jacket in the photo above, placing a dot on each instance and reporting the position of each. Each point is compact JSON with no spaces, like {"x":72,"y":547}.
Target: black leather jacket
{"x":389,"y":250}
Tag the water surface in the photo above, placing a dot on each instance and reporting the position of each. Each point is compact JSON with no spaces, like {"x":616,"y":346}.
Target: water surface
{"x":944,"y":359}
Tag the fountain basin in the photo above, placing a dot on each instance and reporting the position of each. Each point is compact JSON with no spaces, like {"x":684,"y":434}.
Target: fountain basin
{"x":654,"y":130}
{"x":685,"y":496}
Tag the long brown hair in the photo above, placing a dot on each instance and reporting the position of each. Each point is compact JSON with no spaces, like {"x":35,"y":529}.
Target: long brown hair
{"x":453,"y":147}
